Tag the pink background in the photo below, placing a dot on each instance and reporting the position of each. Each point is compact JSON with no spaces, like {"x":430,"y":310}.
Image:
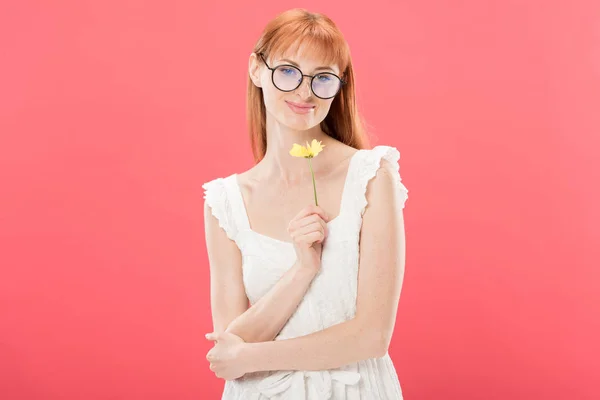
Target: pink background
{"x":113,"y":114}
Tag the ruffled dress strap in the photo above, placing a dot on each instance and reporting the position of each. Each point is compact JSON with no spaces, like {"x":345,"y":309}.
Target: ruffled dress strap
{"x":220,"y":195}
{"x":369,"y":162}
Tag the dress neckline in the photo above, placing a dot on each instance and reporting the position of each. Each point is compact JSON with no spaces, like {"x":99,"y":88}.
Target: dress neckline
{"x":329,"y":224}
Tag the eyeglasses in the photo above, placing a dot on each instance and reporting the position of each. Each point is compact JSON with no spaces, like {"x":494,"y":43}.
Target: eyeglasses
{"x":287,"y":78}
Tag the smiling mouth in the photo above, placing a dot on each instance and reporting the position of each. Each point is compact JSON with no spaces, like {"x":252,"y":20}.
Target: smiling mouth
{"x":299,"y":109}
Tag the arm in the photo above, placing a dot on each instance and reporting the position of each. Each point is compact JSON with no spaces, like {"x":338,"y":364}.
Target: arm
{"x":380,"y":276}
{"x":263,"y":320}
{"x":227,"y":295}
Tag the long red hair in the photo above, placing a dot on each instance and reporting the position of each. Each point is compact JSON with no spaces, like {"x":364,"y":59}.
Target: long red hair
{"x":324,"y":40}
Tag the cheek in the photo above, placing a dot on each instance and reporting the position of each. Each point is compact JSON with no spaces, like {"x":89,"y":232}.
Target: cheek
{"x":271,"y":98}
{"x":323,"y":108}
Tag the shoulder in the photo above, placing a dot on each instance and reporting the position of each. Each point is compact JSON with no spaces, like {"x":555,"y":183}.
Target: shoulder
{"x":336,"y":152}
{"x":381,"y":188}
{"x":382,"y":183}
{"x":380,"y":163}
{"x":217,"y":206}
{"x":216,"y":193}
{"x":346,"y":151}
{"x":383,"y":155}
{"x":217,"y":183}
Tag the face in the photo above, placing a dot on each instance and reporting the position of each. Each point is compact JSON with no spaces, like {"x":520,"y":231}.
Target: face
{"x":300,"y":108}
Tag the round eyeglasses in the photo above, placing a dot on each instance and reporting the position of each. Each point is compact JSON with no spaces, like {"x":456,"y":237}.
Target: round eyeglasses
{"x":287,"y":78}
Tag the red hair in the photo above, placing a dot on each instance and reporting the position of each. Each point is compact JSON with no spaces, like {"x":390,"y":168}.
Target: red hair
{"x":319,"y":35}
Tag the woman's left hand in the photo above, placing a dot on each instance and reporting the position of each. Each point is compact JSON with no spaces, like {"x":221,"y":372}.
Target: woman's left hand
{"x":224,"y":357}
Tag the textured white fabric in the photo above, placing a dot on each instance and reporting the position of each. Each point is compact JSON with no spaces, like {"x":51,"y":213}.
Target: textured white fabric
{"x":331,"y":298}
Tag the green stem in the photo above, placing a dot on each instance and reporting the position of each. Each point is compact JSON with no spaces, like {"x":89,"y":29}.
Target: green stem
{"x":313,"y":179}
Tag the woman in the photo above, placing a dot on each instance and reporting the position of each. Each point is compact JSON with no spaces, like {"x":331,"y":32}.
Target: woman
{"x":323,"y":282}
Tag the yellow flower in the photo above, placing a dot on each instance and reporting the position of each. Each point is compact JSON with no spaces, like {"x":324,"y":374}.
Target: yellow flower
{"x":310,"y":151}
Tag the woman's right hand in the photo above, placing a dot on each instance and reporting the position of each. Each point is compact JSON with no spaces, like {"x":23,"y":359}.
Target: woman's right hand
{"x":308,"y":229}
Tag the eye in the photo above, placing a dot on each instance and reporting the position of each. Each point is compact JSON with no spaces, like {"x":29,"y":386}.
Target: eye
{"x":287,"y":71}
{"x":324,"y":78}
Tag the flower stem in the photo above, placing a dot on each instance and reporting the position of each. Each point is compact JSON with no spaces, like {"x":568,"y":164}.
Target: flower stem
{"x":313,"y":179}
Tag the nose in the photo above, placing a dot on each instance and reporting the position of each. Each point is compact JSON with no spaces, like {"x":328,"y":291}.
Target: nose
{"x":304,"y":89}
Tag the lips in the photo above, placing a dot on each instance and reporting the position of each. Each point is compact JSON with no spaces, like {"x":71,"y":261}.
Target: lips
{"x":300,"y":108}
{"x":300,"y":105}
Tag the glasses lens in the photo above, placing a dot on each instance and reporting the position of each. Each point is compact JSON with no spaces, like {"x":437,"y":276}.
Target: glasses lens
{"x":326,"y":85}
{"x":287,"y":77}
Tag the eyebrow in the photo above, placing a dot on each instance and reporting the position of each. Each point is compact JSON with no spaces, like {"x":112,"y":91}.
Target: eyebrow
{"x":316,"y":69}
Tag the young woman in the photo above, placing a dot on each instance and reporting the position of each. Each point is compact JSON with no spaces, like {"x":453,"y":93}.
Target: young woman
{"x":323,"y":283}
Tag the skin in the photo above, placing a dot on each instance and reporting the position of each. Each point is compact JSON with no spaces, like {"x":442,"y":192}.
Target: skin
{"x":244,"y":336}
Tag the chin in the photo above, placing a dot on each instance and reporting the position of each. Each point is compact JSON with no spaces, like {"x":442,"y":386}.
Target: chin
{"x":299,"y":126}
{"x":298,"y":122}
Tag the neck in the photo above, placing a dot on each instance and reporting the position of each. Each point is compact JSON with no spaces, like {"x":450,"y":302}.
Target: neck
{"x":279,"y":165}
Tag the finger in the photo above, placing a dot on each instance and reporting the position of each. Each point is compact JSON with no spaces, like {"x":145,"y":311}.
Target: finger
{"x":311,"y":238}
{"x":300,"y":232}
{"x":314,"y":237}
{"x":322,"y":227}
{"x":210,"y":356}
{"x":323,"y":214}
{"x":305,"y":221}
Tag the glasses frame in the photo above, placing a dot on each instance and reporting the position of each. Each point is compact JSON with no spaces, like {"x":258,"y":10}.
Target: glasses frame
{"x":312,"y":77}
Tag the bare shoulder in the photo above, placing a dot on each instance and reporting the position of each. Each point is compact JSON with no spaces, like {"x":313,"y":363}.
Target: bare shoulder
{"x":381,"y":192}
{"x":341,"y":151}
{"x":381,"y":187}
{"x":248,"y":179}
{"x":387,"y":168}
{"x":336,"y":159}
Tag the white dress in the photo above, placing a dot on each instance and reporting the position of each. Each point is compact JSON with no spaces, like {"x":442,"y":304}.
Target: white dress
{"x":331,"y":298}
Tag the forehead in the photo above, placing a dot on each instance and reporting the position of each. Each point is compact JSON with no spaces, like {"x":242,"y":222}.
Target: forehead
{"x":308,"y":57}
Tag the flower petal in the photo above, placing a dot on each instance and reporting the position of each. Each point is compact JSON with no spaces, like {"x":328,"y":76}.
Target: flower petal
{"x":297,"y":150}
{"x":316,"y":147}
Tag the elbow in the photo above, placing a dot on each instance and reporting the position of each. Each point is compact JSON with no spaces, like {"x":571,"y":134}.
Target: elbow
{"x":381,"y":343}
{"x":248,"y":336}
{"x":377,"y":338}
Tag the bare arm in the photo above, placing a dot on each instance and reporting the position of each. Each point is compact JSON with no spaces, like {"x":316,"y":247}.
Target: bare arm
{"x":227,"y":295}
{"x":380,"y":277}
{"x":264,"y":320}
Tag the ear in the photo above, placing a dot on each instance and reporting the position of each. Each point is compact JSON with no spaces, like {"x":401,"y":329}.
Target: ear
{"x":254,"y":69}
